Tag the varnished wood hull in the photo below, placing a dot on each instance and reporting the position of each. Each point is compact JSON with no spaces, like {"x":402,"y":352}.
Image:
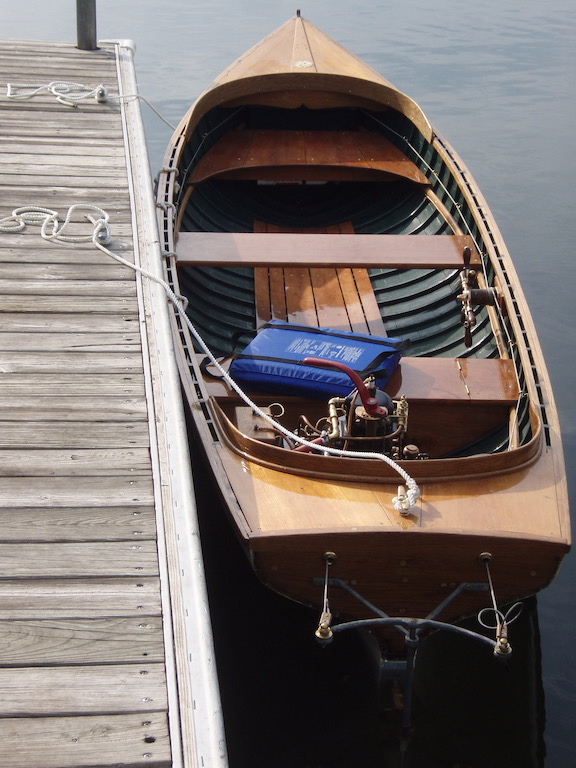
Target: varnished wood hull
{"x":405,"y":573}
{"x":373,"y":246}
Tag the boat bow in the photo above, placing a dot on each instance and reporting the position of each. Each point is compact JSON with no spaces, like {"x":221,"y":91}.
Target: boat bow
{"x":297,"y":63}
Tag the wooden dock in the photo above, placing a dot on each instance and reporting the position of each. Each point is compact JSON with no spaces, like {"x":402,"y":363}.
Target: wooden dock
{"x":105,"y":646}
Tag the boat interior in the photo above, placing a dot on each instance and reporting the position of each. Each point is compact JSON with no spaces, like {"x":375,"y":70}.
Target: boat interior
{"x":315,"y":186}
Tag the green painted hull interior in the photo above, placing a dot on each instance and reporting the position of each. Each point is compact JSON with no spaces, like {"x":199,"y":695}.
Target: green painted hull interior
{"x":416,"y":305}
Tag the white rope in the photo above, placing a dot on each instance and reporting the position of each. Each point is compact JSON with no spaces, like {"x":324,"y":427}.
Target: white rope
{"x":51,"y":229}
{"x":71,"y":94}
{"x":65,"y":92}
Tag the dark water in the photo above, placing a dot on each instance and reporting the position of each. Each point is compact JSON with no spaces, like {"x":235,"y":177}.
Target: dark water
{"x":498,"y":79}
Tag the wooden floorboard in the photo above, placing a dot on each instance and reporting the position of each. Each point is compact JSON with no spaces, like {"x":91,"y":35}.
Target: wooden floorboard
{"x":82,"y":643}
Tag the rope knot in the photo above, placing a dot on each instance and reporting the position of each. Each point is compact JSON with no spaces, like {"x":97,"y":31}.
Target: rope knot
{"x":405,"y":500}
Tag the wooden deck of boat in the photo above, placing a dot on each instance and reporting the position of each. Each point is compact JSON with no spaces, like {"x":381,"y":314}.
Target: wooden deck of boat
{"x":105,"y":652}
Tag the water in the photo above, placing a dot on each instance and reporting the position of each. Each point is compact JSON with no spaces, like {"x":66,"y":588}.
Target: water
{"x":498,"y":79}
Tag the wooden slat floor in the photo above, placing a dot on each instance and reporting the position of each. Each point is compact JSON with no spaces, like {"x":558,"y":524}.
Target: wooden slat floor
{"x":82,"y":656}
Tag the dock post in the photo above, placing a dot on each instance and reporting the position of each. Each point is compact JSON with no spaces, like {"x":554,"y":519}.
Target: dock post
{"x":86,"y":24}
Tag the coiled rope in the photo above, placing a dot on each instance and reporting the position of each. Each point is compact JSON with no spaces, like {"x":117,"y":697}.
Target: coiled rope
{"x":51,"y":228}
{"x":71,"y":94}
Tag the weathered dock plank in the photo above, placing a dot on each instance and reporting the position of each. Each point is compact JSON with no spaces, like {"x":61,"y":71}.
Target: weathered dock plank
{"x":17,"y":125}
{"x":117,"y":523}
{"x":78,"y":559}
{"x":74,"y":323}
{"x":79,"y":598}
{"x":39,"y":303}
{"x":110,"y":272}
{"x":43,"y":462}
{"x":71,"y":342}
{"x":77,"y":289}
{"x":75,"y":384}
{"x":63,"y":150}
{"x":73,"y":435}
{"x":44,"y":253}
{"x":91,"y":689}
{"x":27,"y":407}
{"x":130,"y":741}
{"x":61,"y":164}
{"x":121,"y":491}
{"x":116,"y":640}
{"x":48,"y":362}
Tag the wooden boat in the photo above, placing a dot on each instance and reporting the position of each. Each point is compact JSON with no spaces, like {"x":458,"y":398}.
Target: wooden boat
{"x":303,"y":188}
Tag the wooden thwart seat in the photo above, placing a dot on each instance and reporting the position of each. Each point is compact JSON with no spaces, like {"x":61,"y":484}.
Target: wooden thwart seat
{"x":316,"y":278}
{"x":293,"y":155}
{"x":441,"y":379}
{"x":289,"y":249}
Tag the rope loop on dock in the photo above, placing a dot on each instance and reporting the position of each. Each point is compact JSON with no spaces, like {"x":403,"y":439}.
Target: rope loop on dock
{"x":52,"y":228}
{"x":66,"y":93}
{"x":71,"y":94}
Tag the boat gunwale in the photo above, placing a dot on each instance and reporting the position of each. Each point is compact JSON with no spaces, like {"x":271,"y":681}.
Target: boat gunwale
{"x":525,"y":337}
{"x":257,"y":538}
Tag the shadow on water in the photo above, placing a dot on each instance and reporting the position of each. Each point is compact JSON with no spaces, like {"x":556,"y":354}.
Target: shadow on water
{"x":290,"y":703}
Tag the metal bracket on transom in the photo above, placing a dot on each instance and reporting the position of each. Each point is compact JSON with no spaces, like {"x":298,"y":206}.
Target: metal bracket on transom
{"x":412,"y":628}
